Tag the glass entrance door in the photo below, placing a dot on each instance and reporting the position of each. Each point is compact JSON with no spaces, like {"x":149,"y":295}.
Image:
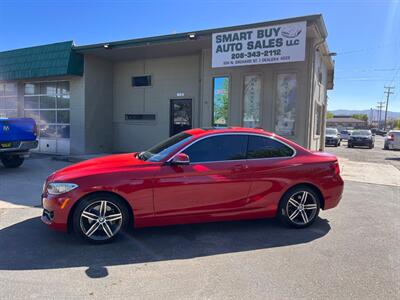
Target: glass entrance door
{"x":180,"y":115}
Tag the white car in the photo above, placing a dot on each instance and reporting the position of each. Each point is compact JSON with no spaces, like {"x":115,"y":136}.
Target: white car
{"x":392,"y":140}
{"x":345,"y":134}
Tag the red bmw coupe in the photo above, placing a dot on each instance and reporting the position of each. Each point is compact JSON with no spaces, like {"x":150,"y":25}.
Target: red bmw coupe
{"x":200,"y":175}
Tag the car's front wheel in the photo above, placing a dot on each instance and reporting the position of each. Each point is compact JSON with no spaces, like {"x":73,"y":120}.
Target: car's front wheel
{"x":12,"y":161}
{"x":299,"y":207}
{"x":100,"y":218}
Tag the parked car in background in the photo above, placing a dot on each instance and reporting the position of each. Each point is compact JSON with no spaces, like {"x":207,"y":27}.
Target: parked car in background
{"x":378,"y":131}
{"x":344,"y":134}
{"x":392,"y":140}
{"x":199,"y":175}
{"x":362,"y":138}
{"x":332,"y":137}
{"x":17,"y":137}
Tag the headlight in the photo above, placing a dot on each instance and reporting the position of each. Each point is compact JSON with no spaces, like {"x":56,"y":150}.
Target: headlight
{"x":57,"y":188}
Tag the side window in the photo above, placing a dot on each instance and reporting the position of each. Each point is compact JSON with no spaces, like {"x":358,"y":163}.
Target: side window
{"x":261,"y":147}
{"x":218,"y":148}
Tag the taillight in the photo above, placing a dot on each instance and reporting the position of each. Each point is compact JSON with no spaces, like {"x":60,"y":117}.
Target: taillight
{"x":391,"y":136}
{"x":336,"y":167}
{"x":35,"y":130}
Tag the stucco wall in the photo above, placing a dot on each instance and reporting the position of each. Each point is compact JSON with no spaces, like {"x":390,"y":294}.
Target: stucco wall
{"x":170,"y":76}
{"x":77,"y":115}
{"x":98,"y":79}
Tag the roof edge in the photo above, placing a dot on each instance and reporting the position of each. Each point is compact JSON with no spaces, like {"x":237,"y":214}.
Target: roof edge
{"x":316,"y":18}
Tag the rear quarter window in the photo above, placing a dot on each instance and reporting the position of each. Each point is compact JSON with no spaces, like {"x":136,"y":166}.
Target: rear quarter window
{"x":264,"y":147}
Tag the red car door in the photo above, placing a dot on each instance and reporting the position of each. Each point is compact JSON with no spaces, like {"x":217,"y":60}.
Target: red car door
{"x":272,"y":168}
{"x":216,"y":180}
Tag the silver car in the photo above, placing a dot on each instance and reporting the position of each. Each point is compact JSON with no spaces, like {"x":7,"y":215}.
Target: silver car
{"x":392,"y":140}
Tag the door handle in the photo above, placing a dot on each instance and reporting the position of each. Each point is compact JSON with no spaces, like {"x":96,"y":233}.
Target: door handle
{"x":239,"y":168}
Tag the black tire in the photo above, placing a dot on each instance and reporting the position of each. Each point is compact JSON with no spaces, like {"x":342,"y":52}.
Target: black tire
{"x":385,"y":147}
{"x":287,"y":209}
{"x":371,"y":146}
{"x":12,"y":161}
{"x":92,"y":206}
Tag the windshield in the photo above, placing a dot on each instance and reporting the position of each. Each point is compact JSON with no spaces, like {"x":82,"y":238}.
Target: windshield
{"x":361,"y":132}
{"x":165,"y":148}
{"x":331,"y":131}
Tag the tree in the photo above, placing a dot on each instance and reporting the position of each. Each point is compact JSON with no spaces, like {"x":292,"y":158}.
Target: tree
{"x":397,"y":124}
{"x":361,"y":117}
{"x":329,"y":115}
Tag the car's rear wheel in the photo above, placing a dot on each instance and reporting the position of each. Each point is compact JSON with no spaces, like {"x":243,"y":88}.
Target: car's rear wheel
{"x":12,"y":161}
{"x":99,"y":219}
{"x":299,"y":207}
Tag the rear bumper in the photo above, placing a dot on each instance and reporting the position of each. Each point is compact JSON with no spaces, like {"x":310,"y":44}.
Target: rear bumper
{"x":331,"y":142}
{"x":333,"y":192}
{"x":20,"y":147}
{"x":392,"y":146}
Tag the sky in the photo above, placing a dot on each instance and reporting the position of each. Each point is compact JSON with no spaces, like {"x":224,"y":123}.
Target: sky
{"x":365,"y":34}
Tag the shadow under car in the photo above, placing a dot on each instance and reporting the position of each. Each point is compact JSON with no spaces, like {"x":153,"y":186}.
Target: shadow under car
{"x":29,"y":245}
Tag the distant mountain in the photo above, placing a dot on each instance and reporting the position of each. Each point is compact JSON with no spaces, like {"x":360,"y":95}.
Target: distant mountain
{"x":348,"y":112}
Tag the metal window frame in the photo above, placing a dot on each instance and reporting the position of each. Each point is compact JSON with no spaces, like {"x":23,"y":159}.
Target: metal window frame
{"x":55,"y":109}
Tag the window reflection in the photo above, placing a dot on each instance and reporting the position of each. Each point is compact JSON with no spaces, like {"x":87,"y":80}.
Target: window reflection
{"x":285,"y":114}
{"x":220,"y":101}
{"x":252,"y":101}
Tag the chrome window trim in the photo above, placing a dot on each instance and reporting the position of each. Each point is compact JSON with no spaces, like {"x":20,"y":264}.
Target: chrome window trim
{"x":236,"y":133}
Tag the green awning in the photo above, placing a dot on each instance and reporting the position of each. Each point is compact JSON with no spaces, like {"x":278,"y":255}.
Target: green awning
{"x":57,"y":59}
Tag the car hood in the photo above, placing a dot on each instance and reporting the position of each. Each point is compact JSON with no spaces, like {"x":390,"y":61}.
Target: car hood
{"x":331,"y":136}
{"x":99,"y":165}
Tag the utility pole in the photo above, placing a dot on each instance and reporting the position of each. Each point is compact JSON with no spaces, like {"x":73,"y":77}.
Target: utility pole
{"x":380,"y":106}
{"x":388,"y":92}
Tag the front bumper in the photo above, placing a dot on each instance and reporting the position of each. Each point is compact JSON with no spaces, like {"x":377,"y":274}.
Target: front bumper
{"x":56,"y":210}
{"x":360,"y":142}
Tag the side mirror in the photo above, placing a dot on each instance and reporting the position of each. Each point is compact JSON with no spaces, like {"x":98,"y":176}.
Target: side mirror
{"x":181,"y":159}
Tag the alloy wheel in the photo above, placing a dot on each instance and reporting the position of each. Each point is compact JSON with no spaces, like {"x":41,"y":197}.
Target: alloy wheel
{"x":101,"y":220}
{"x":301,"y":208}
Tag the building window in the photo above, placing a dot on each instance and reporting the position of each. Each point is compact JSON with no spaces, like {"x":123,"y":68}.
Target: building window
{"x":8,"y":100}
{"x":139,"y":81}
{"x":48,"y":104}
{"x":286,"y":98}
{"x":220,"y":101}
{"x":252,"y":101}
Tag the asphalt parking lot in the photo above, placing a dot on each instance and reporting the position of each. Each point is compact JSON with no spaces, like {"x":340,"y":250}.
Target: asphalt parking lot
{"x":352,"y":251}
{"x":363,"y":154}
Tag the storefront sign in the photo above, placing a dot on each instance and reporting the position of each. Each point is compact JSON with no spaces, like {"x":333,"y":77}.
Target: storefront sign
{"x":264,"y":45}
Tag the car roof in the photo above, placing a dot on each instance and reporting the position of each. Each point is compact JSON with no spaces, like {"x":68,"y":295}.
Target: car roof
{"x":217,"y":130}
{"x":201,"y":132}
